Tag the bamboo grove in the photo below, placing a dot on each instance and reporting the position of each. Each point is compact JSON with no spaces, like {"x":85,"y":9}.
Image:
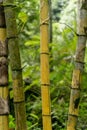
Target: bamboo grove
{"x":9,"y":46}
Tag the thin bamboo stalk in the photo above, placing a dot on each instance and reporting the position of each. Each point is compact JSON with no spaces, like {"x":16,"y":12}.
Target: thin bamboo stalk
{"x":15,"y":62}
{"x":50,"y":22}
{"x":45,"y":82}
{"x":50,"y":35}
{"x":79,"y":67}
{"x":4,"y":107}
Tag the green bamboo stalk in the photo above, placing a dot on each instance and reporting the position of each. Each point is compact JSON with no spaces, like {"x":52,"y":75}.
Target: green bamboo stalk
{"x":4,"y":107}
{"x":79,"y":66}
{"x":50,"y":22}
{"x":45,"y":82}
{"x":50,"y":35}
{"x":15,"y":62}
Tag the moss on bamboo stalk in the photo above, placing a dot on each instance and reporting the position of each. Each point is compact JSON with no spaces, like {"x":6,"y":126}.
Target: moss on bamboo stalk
{"x":15,"y":62}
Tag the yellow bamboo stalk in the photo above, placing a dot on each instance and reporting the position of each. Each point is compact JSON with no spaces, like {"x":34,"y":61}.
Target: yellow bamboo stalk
{"x":45,"y":82}
{"x":4,"y":107}
{"x":79,"y":66}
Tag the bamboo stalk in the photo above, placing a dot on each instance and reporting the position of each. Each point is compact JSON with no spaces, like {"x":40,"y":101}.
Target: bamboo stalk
{"x":45,"y":82}
{"x":50,"y":22}
{"x":15,"y":62}
{"x":4,"y":107}
{"x":79,"y":67}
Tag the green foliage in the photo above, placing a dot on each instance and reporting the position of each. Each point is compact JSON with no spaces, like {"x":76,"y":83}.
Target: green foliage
{"x":58,"y":6}
{"x":11,"y":121}
{"x":23,"y":17}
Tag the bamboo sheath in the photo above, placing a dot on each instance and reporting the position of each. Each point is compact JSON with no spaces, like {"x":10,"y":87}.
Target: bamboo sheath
{"x":4,"y":107}
{"x":15,"y":62}
{"x":79,"y":66}
{"x":45,"y":82}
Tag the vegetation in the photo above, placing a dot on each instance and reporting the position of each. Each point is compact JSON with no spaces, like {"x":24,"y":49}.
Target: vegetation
{"x":62,"y":63}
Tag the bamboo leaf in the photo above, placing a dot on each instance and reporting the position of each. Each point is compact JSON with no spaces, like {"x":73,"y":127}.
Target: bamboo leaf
{"x":23,"y":17}
{"x":34,"y":116}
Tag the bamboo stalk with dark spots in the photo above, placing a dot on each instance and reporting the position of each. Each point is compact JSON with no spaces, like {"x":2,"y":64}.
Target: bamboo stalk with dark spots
{"x":79,"y":66}
{"x":15,"y":62}
{"x":4,"y":106}
{"x":45,"y":82}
